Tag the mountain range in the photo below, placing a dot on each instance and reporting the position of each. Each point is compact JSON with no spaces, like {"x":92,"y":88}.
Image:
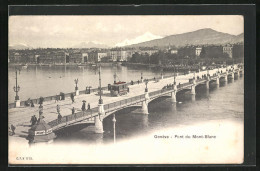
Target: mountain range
{"x":198,"y":37}
{"x":19,"y":46}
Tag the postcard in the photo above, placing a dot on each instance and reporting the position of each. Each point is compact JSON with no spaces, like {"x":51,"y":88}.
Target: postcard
{"x":126,"y":89}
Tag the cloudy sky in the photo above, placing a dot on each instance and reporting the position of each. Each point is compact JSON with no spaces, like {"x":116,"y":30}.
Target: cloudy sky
{"x":67,"y":31}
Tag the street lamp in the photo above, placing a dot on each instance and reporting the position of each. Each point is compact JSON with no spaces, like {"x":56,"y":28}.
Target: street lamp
{"x":174,"y":76}
{"x":146,"y":82}
{"x":76,"y":82}
{"x":100,"y":98}
{"x":16,"y":87}
{"x":115,"y":78}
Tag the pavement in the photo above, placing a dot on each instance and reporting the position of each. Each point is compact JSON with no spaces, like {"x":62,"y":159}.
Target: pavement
{"x":20,"y":117}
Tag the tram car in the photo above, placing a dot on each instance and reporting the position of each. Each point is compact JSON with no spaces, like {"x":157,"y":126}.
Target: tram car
{"x":118,"y":89}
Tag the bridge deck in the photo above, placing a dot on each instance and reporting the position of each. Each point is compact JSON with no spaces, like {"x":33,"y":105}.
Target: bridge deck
{"x":20,"y":117}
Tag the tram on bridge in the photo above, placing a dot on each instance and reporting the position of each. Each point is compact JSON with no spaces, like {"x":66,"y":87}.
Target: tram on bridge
{"x":118,"y":89}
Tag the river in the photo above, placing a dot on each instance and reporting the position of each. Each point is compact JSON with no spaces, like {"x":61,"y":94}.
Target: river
{"x":37,"y":81}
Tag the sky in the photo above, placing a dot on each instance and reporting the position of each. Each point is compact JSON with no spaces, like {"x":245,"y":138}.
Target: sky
{"x":68,"y":31}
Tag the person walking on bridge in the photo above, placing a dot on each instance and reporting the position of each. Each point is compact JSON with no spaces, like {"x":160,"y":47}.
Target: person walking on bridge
{"x":73,"y":110}
{"x":83,"y":105}
{"x":58,"y":109}
{"x":72,"y":97}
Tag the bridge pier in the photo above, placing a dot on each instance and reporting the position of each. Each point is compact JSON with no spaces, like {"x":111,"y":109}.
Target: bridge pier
{"x":226,"y":78}
{"x":217,"y":80}
{"x":145,"y":103}
{"x":99,"y":119}
{"x":207,"y":85}
{"x":193,"y":87}
{"x":232,"y":75}
{"x":17,"y":103}
{"x":77,"y":92}
{"x":193,"y":97}
{"x":238,"y":73}
{"x":173,"y":94}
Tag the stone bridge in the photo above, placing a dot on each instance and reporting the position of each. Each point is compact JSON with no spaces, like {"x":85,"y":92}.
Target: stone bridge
{"x":96,"y":115}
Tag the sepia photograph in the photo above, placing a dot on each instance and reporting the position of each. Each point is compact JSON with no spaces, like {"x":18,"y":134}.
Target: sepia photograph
{"x":126,"y":89}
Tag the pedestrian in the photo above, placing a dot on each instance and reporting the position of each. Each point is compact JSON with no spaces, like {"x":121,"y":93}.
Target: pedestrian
{"x":88,"y":106}
{"x":83,"y":105}
{"x":73,"y":110}
{"x":72,"y":97}
{"x":32,"y":104}
{"x":40,"y":109}
{"x":13,"y":129}
{"x":32,"y":121}
{"x":138,"y":81}
{"x":27,"y":103}
{"x":58,"y":109}
{"x":59,"y":118}
{"x":57,"y":98}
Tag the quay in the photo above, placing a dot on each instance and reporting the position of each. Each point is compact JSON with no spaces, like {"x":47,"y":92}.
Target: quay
{"x":139,"y":96}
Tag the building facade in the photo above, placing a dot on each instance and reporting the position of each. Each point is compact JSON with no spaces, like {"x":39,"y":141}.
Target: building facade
{"x":228,"y":50}
{"x":198,"y":51}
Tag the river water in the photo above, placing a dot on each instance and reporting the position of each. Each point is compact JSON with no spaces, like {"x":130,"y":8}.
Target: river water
{"x":37,"y":81}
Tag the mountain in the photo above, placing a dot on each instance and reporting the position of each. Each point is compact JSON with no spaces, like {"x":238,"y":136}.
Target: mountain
{"x":199,"y":37}
{"x":142,"y":38}
{"x":90,"y":45}
{"x":19,"y":46}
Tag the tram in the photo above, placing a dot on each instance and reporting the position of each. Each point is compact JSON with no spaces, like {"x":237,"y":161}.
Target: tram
{"x":118,"y":89}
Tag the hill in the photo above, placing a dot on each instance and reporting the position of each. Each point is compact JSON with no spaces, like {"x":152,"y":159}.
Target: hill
{"x":199,"y":37}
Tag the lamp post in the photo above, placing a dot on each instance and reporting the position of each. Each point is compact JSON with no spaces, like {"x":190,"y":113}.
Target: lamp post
{"x":16,"y":87}
{"x":76,"y":82}
{"x":115,"y":78}
{"x":76,"y":88}
{"x":174,"y":76}
{"x":114,"y":127}
{"x":100,"y":98}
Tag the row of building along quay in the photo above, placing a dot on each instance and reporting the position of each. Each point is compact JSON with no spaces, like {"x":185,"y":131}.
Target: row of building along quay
{"x":145,"y":55}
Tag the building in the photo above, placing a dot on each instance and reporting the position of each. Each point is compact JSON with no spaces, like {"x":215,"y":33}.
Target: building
{"x":96,"y":56}
{"x":198,"y":51}
{"x":76,"y":57}
{"x":120,"y":55}
{"x":114,"y":55}
{"x":228,"y":50}
{"x":173,"y":51}
{"x":85,"y":57}
{"x":148,"y":51}
{"x":59,"y":57}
